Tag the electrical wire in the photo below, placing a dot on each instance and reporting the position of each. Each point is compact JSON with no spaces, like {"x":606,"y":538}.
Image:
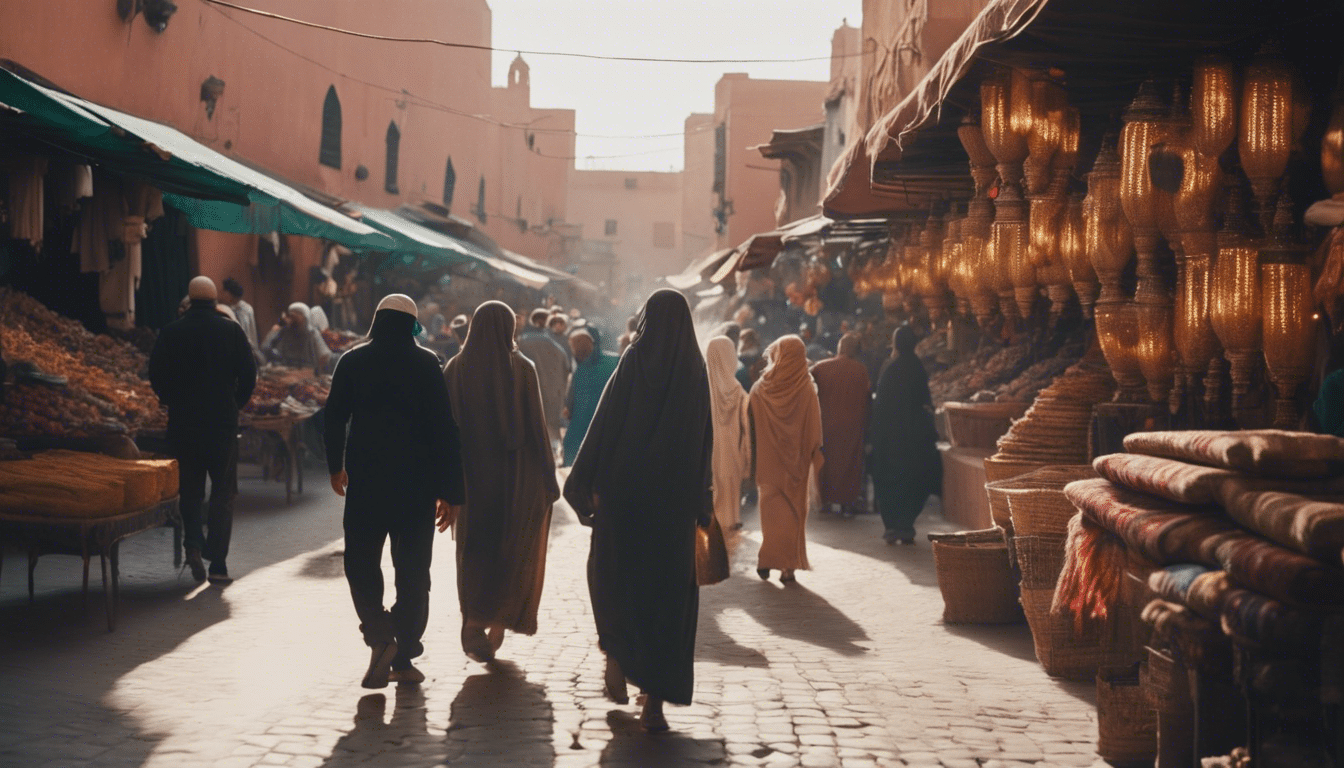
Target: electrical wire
{"x":425,"y":103}
{"x":492,"y":49}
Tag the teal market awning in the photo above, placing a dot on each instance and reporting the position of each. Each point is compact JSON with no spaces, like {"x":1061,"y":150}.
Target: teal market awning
{"x":213,"y":190}
{"x":414,"y":238}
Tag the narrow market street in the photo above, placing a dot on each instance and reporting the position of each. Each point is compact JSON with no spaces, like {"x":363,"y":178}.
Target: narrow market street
{"x":851,"y":666}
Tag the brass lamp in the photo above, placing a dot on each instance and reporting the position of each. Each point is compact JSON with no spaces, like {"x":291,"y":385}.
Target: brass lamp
{"x":945,"y":270}
{"x":1107,"y":237}
{"x":1004,"y":96}
{"x":1146,"y":124}
{"x":1044,"y":227}
{"x":1235,"y":310}
{"x":1266,"y":124}
{"x":1289,"y":331}
{"x":1074,"y":254}
{"x":982,"y":160}
{"x":1046,"y":133}
{"x":1213,"y":105}
{"x":933,"y":285}
{"x":1332,"y":149}
{"x":1012,"y":248}
{"x":982,"y":280}
{"x":1118,"y":336}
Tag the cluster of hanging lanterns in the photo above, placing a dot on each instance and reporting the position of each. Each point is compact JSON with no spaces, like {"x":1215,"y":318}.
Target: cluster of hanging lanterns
{"x":1206,"y":300}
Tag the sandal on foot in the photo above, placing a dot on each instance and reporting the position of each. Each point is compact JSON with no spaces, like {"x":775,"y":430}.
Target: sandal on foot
{"x":476,"y":645}
{"x":764,"y":573}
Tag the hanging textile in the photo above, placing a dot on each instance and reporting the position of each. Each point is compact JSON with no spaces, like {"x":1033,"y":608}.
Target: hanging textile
{"x":26,"y":198}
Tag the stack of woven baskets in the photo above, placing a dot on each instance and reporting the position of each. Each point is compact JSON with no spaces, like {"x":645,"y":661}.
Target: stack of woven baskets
{"x":975,"y":577}
{"x":1055,"y":429}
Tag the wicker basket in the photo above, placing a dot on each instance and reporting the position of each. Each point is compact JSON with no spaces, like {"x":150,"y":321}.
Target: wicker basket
{"x":1039,"y":559}
{"x":1126,"y":722}
{"x":1036,"y":501}
{"x":1165,"y":681}
{"x":997,"y":469}
{"x":980,"y":425}
{"x":1060,"y":649}
{"x":977,"y":583}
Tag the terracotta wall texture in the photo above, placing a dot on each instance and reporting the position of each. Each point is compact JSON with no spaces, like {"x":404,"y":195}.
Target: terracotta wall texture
{"x":276,"y":76}
{"x":646,"y":211}
{"x":751,"y":110}
{"x":697,"y":195}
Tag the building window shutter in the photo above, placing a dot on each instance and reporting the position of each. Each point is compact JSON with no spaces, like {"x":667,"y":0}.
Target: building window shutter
{"x":611,"y":228}
{"x":721,"y":158}
{"x":330,"y":151}
{"x":449,"y":185}
{"x":393,"y":151}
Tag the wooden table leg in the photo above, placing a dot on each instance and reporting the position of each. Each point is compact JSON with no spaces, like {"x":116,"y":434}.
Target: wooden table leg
{"x":32,"y":566}
{"x":114,"y":595}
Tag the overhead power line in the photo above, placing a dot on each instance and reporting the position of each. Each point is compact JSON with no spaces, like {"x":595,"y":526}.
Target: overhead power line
{"x":490,"y":48}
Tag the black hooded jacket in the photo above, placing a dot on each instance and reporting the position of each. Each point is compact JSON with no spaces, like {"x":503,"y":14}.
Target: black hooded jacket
{"x":202,"y":368}
{"x":403,"y":443}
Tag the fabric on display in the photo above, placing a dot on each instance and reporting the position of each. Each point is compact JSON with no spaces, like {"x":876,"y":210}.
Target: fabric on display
{"x":26,"y":198}
{"x":1265,"y":452}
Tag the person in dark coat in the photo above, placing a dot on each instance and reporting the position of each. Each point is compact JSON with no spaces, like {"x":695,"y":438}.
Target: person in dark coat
{"x":906,"y":466}
{"x":402,"y":460}
{"x":202,"y":369}
{"x":642,"y":481}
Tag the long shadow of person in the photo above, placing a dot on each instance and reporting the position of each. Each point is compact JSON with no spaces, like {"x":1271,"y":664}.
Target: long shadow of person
{"x":631,"y":747}
{"x":376,"y":741}
{"x":796,"y":612}
{"x":499,"y":718}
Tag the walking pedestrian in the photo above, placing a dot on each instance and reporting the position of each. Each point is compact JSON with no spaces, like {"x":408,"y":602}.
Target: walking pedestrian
{"x":202,"y":369}
{"x":906,"y":466}
{"x":242,"y":311}
{"x":787,"y":417}
{"x":399,"y":467}
{"x":642,"y":481}
{"x":732,"y":431}
{"x":846,"y":396}
{"x":592,"y":369}
{"x":552,"y":368}
{"x":509,"y":466}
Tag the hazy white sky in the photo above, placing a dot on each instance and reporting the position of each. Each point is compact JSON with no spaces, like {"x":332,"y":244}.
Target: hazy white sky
{"x":624,"y":98}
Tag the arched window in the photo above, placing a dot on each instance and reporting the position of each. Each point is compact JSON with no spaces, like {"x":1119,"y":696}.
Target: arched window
{"x":393,"y":149}
{"x":449,"y":185}
{"x":330,"y":152}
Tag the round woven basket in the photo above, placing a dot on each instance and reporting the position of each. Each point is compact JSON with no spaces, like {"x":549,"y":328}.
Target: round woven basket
{"x":997,"y":469}
{"x":978,"y":584}
{"x":1040,"y":559}
{"x":1061,"y":651}
{"x":980,"y":425}
{"x":1036,"y":501}
{"x":1126,"y":722}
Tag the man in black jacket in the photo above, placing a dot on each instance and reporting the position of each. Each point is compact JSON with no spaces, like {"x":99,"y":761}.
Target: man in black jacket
{"x":202,"y":369}
{"x":400,"y":465}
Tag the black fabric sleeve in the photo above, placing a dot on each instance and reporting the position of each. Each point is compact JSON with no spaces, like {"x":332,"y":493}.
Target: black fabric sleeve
{"x":338,"y":409}
{"x":446,"y":438}
{"x":706,"y":515}
{"x":247,"y":367}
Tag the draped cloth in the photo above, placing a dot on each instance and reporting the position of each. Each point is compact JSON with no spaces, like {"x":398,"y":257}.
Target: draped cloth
{"x":552,"y":364}
{"x":585,"y":390}
{"x":732,"y":431}
{"x":510,"y":476}
{"x":642,"y":481}
{"x":787,"y":416}
{"x":845,"y":394}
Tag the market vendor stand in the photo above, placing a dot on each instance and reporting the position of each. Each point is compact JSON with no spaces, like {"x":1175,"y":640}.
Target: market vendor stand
{"x":288,"y":427}
{"x":84,"y":536}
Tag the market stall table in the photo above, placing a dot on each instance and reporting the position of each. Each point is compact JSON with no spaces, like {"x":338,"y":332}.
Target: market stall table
{"x":289,"y":428}
{"x":84,"y":536}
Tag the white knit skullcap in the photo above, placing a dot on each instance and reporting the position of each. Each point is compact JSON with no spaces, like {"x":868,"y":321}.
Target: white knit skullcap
{"x":398,"y":302}
{"x":202,"y":287}
{"x":301,"y":308}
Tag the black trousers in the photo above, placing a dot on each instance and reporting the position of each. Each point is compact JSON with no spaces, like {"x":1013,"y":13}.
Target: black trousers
{"x":411,"y":532}
{"x":899,"y":506}
{"x":217,"y":460}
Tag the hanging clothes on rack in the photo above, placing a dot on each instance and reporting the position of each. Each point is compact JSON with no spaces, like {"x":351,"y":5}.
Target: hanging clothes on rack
{"x":26,"y":198}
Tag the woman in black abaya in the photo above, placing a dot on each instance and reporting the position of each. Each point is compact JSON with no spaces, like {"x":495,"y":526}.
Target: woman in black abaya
{"x":642,"y":481}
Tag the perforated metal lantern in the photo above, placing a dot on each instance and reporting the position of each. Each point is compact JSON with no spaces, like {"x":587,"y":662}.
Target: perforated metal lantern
{"x":1118,"y":336}
{"x":1047,"y":116}
{"x":1213,"y":105}
{"x":1107,"y":237}
{"x":1073,"y":251}
{"x":1265,"y":139}
{"x":1012,"y":248}
{"x":982,"y":161}
{"x":1005,"y":136}
{"x":1332,"y":150}
{"x":1289,"y":332}
{"x":1146,"y":124}
{"x":1235,"y":309}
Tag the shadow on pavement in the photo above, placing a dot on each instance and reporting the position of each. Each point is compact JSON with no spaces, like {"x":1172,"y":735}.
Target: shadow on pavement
{"x":374,"y":740}
{"x":1015,"y":640}
{"x":631,"y":747}
{"x":499,"y":718}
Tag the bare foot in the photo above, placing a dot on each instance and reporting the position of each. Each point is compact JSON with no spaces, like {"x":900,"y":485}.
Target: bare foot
{"x":496,"y":637}
{"x":652,"y":717}
{"x":615,"y":683}
{"x":476,"y":645}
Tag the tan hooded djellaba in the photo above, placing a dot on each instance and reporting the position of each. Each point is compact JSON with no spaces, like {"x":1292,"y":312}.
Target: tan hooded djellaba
{"x":732,"y":431}
{"x":787,"y":416}
{"x":503,"y":528}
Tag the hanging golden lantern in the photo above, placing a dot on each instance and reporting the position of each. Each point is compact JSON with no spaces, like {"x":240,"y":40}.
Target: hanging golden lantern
{"x":1196,"y":343}
{"x":981,"y":282}
{"x":944,"y":267}
{"x":1332,"y":149}
{"x":1003,"y":96}
{"x":1289,"y":332}
{"x":1107,"y":237}
{"x":982,"y":160}
{"x":1012,"y":248}
{"x":1048,"y":105}
{"x":1118,"y":336}
{"x":1146,"y":123}
{"x":1156,"y":351}
{"x":1234,"y":308}
{"x":1213,"y":105}
{"x":1266,"y":126}
{"x":1073,"y":252}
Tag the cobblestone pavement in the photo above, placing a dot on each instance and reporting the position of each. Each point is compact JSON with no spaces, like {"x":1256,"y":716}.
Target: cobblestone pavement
{"x":849,"y":667}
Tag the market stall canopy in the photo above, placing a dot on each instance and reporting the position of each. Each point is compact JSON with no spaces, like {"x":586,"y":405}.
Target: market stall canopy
{"x":413,"y":238}
{"x":212,"y":190}
{"x":699,"y":270}
{"x":1104,"y":48}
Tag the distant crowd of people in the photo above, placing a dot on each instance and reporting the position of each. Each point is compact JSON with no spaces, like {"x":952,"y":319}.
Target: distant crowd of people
{"x":659,"y":440}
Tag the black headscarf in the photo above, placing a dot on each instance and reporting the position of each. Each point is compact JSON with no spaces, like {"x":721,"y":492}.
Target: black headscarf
{"x":487,"y":367}
{"x":392,"y":326}
{"x":903,"y":341}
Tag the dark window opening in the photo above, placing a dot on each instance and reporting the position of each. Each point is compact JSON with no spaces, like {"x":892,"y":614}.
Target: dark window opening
{"x":721,"y":158}
{"x":393,"y":150}
{"x":449,"y":185}
{"x":330,"y":152}
{"x":480,"y":201}
{"x":611,"y":228}
{"x":631,"y":182}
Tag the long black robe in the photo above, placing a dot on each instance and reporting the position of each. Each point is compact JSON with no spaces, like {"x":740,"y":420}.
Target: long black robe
{"x":906,"y":467}
{"x":642,"y":479}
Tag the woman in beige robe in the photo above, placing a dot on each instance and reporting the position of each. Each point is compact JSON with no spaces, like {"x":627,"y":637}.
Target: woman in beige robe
{"x":510,"y":472}
{"x":787,"y":417}
{"x":732,"y":431}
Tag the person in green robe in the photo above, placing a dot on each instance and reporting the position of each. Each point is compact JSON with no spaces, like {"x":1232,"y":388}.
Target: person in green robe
{"x":593,"y":367}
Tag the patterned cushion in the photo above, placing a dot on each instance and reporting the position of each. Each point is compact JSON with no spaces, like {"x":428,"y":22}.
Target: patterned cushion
{"x":1266,"y":452}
